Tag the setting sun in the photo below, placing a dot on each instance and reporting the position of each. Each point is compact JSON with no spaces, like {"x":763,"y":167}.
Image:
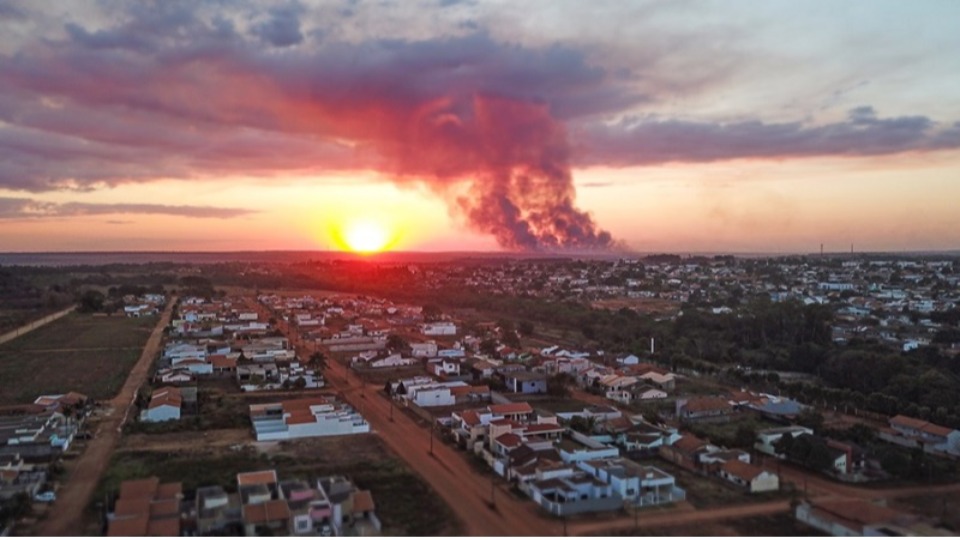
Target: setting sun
{"x":365,"y":236}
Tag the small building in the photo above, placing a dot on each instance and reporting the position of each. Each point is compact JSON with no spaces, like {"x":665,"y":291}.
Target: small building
{"x":164,"y":405}
{"x":146,"y":508}
{"x":526,"y":382}
{"x":748,"y":476}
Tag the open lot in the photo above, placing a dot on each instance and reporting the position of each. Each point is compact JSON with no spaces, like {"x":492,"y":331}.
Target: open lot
{"x":90,"y":355}
{"x":781,"y":524}
{"x":405,"y":504}
{"x":80,"y":331}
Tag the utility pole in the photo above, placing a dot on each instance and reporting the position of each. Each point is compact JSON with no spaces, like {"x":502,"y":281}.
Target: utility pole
{"x":391,"y":407}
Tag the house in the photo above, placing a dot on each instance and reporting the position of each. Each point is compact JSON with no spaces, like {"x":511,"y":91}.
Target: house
{"x":526,"y":382}
{"x":767,"y":438}
{"x":915,"y":433}
{"x":857,"y":517}
{"x":423,"y":350}
{"x":146,"y":508}
{"x":579,"y":447}
{"x":704,"y":409}
{"x":216,"y":509}
{"x":748,"y":476}
{"x":307,"y":417}
{"x":164,"y":405}
{"x":441,"y":328}
{"x":441,"y":367}
{"x":686,"y":451}
{"x":636,"y":484}
{"x":572,"y":494}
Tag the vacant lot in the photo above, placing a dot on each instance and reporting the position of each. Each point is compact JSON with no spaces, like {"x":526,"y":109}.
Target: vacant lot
{"x":91,"y":355}
{"x":405,"y":504}
{"x":782,"y":524}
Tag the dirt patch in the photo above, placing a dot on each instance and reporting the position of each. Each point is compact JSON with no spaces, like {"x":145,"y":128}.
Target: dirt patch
{"x":640,"y":305}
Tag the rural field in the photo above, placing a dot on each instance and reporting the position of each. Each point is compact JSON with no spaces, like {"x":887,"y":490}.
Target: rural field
{"x":90,"y":355}
{"x":405,"y":504}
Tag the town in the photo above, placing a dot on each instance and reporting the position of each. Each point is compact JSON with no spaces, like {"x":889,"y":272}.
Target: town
{"x":663,"y":394}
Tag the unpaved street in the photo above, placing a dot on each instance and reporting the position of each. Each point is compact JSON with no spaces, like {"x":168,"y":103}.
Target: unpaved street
{"x":64,"y":517}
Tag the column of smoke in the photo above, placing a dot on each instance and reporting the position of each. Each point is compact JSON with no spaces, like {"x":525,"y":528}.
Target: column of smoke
{"x":515,"y":160}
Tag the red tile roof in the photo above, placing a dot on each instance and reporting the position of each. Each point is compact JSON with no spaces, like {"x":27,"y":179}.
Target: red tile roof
{"x":511,"y":408}
{"x":257,"y":478}
{"x":739,"y":469}
{"x":265,"y":512}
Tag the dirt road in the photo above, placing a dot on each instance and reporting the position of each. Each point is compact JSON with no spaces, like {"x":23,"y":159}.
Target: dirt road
{"x":65,"y":516}
{"x":29,"y":327}
{"x":817,"y":485}
{"x":669,"y":519}
{"x":447,"y":471}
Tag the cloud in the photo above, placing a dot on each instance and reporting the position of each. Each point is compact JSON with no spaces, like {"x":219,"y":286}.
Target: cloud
{"x":642,"y":141}
{"x":24,"y":208}
{"x":282,"y":27}
{"x":188,"y":90}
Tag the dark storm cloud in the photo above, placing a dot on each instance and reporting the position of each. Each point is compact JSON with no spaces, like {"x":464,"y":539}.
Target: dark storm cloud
{"x":23,"y":208}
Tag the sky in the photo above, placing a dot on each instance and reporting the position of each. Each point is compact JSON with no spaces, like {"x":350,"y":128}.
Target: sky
{"x":654,"y":126}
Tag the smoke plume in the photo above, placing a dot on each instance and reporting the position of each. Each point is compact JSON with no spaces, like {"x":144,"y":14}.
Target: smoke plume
{"x":515,"y":161}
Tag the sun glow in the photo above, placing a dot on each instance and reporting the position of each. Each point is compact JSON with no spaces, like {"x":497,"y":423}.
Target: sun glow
{"x":365,"y":236}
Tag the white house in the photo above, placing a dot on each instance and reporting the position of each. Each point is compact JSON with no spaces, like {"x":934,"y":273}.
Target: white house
{"x":441,"y":328}
{"x":423,"y":350}
{"x":634,"y":483}
{"x":444,"y":366}
{"x":767,"y":438}
{"x":433,"y":396}
{"x":748,"y":476}
{"x":307,"y":417}
{"x":164,"y":405}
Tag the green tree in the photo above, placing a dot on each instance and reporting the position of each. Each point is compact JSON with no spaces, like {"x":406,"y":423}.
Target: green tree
{"x":91,"y":301}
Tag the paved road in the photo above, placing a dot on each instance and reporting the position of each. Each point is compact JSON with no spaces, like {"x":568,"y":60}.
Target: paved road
{"x":65,"y":516}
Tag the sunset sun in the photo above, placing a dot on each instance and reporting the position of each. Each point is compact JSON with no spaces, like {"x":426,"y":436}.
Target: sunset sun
{"x":365,"y":236}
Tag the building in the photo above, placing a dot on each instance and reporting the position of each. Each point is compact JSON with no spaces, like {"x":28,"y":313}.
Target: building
{"x":704,"y":409}
{"x":525,"y":382}
{"x":308,"y":417}
{"x":146,"y":508}
{"x":767,"y":438}
{"x":916,"y":433}
{"x":164,"y":405}
{"x":748,"y":476}
{"x":441,"y":328}
{"x":857,"y":517}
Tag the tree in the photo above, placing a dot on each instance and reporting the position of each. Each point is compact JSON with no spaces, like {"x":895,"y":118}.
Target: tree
{"x":396,"y":343}
{"x":559,"y":385}
{"x":319,"y":360}
{"x":388,"y":388}
{"x":91,"y":301}
{"x":745,"y":436}
{"x":299,"y":383}
{"x":525,"y":327}
{"x":811,"y":418}
{"x":784,"y":445}
{"x":489,"y":347}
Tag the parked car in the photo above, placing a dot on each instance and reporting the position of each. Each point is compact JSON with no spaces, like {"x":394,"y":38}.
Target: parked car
{"x":45,"y":496}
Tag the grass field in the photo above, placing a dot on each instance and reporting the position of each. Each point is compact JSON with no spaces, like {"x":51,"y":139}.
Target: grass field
{"x":782,"y":524}
{"x":90,"y":355}
{"x":405,"y":504}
